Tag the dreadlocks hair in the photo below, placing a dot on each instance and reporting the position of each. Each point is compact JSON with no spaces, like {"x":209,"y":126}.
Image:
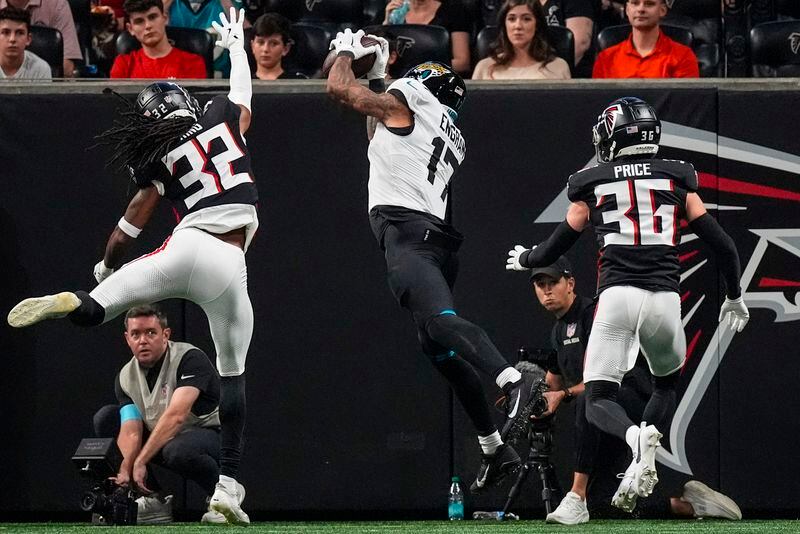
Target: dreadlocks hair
{"x":137,"y":140}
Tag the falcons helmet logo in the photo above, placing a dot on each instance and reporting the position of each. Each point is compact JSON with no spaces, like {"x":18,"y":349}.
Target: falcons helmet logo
{"x":794,"y":42}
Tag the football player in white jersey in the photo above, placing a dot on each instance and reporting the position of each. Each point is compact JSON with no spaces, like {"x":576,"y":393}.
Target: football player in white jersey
{"x":197,"y":159}
{"x":414,"y":153}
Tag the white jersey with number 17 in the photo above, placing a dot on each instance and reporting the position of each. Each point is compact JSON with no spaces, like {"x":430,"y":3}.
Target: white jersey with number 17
{"x":412,"y":167}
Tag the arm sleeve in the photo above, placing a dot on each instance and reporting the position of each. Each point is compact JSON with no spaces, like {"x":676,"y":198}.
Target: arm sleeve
{"x":687,"y":65}
{"x":560,"y":241}
{"x":64,"y":23}
{"x":195,"y":370}
{"x":122,"y":397}
{"x":709,"y":230}
{"x":120,"y":67}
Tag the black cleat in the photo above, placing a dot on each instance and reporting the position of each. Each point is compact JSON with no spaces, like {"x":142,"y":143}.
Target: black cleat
{"x":495,"y":467}
{"x":520,"y":398}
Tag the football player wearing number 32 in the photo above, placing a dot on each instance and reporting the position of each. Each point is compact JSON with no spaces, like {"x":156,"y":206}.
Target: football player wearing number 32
{"x":200,"y":162}
{"x":635,"y":203}
{"x":414,"y":153}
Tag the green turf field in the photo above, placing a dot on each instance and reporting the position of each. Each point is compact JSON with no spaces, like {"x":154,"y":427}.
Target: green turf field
{"x":434,"y":527}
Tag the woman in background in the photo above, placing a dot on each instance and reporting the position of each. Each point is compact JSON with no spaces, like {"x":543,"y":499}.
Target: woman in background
{"x":521,"y":51}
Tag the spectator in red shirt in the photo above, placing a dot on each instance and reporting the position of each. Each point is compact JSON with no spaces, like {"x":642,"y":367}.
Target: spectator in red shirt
{"x":647,"y":52}
{"x":157,"y":59}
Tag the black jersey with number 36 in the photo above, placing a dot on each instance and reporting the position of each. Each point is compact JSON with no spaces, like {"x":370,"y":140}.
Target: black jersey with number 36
{"x":636,"y":206}
{"x":210,"y":167}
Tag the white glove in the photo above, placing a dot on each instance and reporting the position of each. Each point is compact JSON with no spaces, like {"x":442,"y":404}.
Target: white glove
{"x":378,"y":70}
{"x":101,"y":272}
{"x":736,"y":313}
{"x":513,"y":264}
{"x":350,"y":42}
{"x":231,"y":33}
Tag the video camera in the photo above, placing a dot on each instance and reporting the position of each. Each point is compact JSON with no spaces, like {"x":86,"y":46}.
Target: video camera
{"x":98,"y":459}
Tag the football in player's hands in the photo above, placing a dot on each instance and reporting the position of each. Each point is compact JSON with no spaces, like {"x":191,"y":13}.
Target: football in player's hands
{"x":359,"y":66}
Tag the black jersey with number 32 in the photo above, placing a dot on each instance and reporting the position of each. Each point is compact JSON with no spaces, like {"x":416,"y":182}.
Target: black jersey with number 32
{"x":210,"y":167}
{"x":635,"y":207}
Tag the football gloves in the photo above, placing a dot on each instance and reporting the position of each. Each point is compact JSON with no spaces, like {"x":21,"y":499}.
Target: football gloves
{"x":101,"y":272}
{"x":231,"y":33}
{"x":513,"y":264}
{"x":378,"y":70}
{"x":350,"y":43}
{"x":735,"y":312}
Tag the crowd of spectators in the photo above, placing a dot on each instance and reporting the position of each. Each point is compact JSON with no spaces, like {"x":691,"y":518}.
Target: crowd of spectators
{"x":526,"y":44}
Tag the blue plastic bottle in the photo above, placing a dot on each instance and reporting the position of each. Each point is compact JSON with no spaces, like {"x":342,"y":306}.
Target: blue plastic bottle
{"x":455,"y":500}
{"x":398,"y":16}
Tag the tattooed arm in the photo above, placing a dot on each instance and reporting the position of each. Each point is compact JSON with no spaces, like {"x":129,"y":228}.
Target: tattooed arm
{"x":343,"y":87}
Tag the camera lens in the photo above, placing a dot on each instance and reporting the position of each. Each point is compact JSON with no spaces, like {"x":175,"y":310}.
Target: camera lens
{"x":88,"y":500}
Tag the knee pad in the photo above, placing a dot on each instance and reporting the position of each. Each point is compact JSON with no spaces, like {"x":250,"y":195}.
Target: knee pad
{"x":601,"y":389}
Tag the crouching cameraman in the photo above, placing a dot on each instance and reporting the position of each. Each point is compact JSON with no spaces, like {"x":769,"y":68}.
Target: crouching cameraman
{"x":596,"y":452}
{"x":168,"y":414}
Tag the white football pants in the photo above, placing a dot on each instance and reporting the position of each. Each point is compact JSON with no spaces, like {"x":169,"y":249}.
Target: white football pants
{"x":196,"y":266}
{"x":629,"y":319}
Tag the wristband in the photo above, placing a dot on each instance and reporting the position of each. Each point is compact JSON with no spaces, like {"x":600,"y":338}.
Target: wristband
{"x":128,"y":228}
{"x":377,"y":85}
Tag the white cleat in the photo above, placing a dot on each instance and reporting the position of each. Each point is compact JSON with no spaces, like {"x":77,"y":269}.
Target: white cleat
{"x":625,"y":496}
{"x":571,"y":511}
{"x":229,"y":504}
{"x":152,"y":510}
{"x":645,"y":476}
{"x":31,"y":311}
{"x":214,"y":518}
{"x":709,"y":503}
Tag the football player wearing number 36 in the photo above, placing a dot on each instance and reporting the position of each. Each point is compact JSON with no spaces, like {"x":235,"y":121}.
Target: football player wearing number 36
{"x":197,"y":159}
{"x":414,"y":153}
{"x":635,"y":202}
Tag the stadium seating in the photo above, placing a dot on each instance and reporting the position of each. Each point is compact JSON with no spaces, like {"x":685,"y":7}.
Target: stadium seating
{"x":188,"y":39}
{"x":417,"y":43}
{"x":788,"y":8}
{"x":560,"y":37}
{"x":775,"y":49}
{"x":48,"y":44}
{"x":309,"y":50}
{"x":81,"y":14}
{"x":703,"y":18}
{"x":616,"y":34}
{"x":332,"y":12}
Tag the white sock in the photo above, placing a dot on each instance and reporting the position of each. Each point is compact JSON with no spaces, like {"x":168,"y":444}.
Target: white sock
{"x":490,"y":443}
{"x":632,"y":437}
{"x":228,"y":483}
{"x":508,"y":375}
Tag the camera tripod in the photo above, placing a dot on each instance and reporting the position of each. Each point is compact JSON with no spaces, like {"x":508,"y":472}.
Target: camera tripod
{"x":540,"y":439}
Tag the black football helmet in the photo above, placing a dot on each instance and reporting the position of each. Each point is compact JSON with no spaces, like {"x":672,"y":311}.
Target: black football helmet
{"x":443,"y":82}
{"x":163,"y":100}
{"x":627,"y":127}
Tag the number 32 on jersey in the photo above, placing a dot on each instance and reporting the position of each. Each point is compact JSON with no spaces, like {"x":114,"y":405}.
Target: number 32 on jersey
{"x":649,"y":224}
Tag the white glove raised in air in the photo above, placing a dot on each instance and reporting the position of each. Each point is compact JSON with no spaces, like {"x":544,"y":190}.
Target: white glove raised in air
{"x":101,"y":272}
{"x":513,"y":264}
{"x":736,"y":313}
{"x":378,"y":70}
{"x":350,"y":42}
{"x":231,"y":33}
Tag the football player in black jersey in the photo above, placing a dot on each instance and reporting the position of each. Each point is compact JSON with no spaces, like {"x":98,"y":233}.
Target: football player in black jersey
{"x":635,"y":202}
{"x":200,"y":162}
{"x":415,"y":151}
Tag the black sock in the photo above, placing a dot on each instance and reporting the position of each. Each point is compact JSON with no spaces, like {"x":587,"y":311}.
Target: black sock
{"x":661,"y":406}
{"x":468,"y":389}
{"x":468,"y":341}
{"x":232,"y":414}
{"x":89,"y":313}
{"x":603,"y":411}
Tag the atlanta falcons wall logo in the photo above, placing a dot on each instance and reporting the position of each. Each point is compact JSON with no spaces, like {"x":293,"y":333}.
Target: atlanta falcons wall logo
{"x":794,"y":42}
{"x":762,"y":288}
